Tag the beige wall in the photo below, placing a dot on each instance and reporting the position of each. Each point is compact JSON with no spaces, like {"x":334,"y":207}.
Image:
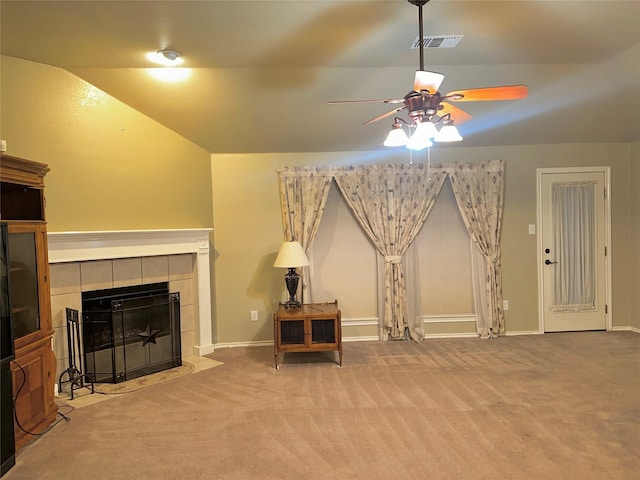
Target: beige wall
{"x":248,"y":228}
{"x":112,"y":168}
{"x":634,"y":221}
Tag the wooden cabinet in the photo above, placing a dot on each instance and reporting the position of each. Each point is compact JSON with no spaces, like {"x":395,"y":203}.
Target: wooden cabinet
{"x":313,"y":327}
{"x":33,"y":368}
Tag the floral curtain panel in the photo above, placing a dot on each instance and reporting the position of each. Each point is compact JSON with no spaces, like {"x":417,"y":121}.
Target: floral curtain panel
{"x":391,"y":203}
{"x":303,"y":196}
{"x":479,"y":192}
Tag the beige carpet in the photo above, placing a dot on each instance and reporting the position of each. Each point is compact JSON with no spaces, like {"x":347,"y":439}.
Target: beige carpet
{"x":556,"y":406}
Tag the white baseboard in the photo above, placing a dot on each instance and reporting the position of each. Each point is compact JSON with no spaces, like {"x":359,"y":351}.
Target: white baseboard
{"x":625,"y":329}
{"x":269,"y":343}
{"x":370,"y":338}
{"x":374,"y":338}
{"x":453,"y":318}
{"x":536,"y":332}
{"x":202,"y":350}
{"x":450,"y":335}
{"x":359,"y":322}
{"x":261,"y":343}
{"x":522,"y":332}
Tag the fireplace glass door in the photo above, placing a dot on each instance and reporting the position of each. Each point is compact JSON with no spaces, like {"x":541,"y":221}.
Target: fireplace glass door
{"x":143,"y":330}
{"x":129,"y":332}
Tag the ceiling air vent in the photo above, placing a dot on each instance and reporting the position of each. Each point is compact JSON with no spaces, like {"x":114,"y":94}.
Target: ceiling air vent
{"x":437,"y":41}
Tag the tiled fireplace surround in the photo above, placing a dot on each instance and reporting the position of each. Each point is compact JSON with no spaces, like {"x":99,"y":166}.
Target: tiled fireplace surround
{"x":84,"y":261}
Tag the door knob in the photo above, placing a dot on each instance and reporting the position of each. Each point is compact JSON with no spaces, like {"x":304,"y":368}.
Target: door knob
{"x":549,"y":262}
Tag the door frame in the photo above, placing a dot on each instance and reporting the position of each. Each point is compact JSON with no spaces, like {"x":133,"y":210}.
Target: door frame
{"x":607,"y":237}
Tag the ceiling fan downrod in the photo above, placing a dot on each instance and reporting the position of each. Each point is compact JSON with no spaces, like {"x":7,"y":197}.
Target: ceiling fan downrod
{"x":420,"y":4}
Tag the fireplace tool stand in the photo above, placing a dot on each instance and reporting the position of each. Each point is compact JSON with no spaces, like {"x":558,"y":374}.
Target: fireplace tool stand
{"x":76,"y":378}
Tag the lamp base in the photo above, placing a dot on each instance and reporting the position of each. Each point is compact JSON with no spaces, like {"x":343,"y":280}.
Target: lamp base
{"x":291,"y":279}
{"x":291,"y":304}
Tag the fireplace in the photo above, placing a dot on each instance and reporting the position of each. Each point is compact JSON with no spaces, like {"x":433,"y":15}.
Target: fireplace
{"x":129,"y":332}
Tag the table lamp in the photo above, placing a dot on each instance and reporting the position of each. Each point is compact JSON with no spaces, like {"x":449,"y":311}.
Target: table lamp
{"x":291,"y":256}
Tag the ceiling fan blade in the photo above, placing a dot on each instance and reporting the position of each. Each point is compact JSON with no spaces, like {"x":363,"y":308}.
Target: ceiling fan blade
{"x":384,"y":115}
{"x":429,"y":81}
{"x":386,"y":100}
{"x":457,"y":114}
{"x":508,"y":92}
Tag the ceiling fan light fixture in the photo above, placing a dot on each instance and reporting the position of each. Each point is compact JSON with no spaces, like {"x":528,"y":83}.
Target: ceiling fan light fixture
{"x":421,"y":138}
{"x":418,"y":143}
{"x":448,"y":133}
{"x":397,"y":136}
{"x":426,"y":128}
{"x":425,"y":106}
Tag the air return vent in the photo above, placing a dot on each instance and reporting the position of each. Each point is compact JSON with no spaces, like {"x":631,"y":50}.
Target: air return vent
{"x":438,"y":41}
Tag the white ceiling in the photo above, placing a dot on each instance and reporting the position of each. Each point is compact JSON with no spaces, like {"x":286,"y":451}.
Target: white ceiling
{"x":263,"y":71}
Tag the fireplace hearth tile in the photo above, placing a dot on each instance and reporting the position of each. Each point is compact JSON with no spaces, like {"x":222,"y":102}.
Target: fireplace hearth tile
{"x":155,"y":269}
{"x":187,"y":316}
{"x":59,"y":303}
{"x":127,"y":271}
{"x":96,"y":275}
{"x":185,"y":287}
{"x":187,"y":340}
{"x":181,"y":266}
{"x":65,"y":278}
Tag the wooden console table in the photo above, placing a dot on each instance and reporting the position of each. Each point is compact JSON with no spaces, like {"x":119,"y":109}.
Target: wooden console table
{"x":313,"y":327}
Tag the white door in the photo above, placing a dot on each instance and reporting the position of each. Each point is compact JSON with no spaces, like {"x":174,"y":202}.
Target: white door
{"x":573,"y":249}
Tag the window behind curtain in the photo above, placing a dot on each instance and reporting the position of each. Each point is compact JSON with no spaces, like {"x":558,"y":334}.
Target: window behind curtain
{"x":445,"y":259}
{"x":345,"y":260}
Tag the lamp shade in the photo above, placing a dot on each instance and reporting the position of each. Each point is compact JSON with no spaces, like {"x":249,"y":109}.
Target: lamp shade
{"x":291,"y":254}
{"x":448,"y":133}
{"x":421,"y":138}
{"x":396,"y":137}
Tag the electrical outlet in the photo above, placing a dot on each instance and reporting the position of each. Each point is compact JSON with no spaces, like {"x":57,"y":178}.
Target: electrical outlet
{"x":505,"y":305}
{"x":254,"y":315}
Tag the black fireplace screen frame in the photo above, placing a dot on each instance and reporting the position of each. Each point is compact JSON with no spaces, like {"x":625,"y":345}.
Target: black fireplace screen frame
{"x":130,"y":332}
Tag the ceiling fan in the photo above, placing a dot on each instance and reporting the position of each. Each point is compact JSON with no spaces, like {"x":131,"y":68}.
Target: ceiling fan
{"x":427,"y":107}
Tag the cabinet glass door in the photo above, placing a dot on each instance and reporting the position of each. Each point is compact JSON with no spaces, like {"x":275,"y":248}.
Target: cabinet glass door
{"x":323,"y":331}
{"x":23,"y":271}
{"x":6,"y":328}
{"x":292,"y":332}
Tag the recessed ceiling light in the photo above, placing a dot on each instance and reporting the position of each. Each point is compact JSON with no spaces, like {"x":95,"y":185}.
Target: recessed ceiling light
{"x":166,"y":57}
